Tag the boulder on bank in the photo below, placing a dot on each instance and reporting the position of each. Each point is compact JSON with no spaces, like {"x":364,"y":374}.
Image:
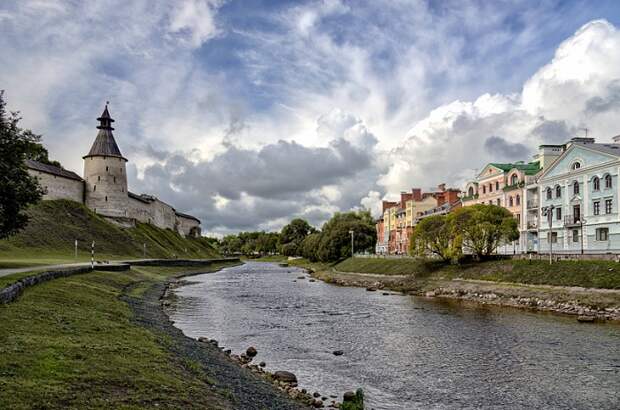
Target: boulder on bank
{"x":284,"y":376}
{"x":338,"y":352}
{"x":251,"y":351}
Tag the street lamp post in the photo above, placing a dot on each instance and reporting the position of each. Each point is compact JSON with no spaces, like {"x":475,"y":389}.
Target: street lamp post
{"x":352,"y":248}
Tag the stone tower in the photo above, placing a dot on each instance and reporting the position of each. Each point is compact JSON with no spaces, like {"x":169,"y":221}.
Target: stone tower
{"x":105,"y":173}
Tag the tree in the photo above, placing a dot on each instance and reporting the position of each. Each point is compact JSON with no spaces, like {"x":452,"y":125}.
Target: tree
{"x":483,"y":228}
{"x":335,"y":243}
{"x":293,"y":235}
{"x":436,"y":235}
{"x":310,"y":246}
{"x":18,"y":189}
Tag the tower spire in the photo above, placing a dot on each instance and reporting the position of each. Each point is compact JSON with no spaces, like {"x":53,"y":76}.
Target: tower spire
{"x":105,"y":121}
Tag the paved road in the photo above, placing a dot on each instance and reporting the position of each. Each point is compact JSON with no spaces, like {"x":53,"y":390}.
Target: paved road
{"x":5,"y":272}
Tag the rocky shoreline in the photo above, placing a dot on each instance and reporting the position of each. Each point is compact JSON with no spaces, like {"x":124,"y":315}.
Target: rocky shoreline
{"x":588,"y":305}
{"x":283,"y":382}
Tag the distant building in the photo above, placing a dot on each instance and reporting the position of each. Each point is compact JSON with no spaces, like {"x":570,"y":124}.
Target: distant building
{"x":398,"y":219}
{"x":104,"y":187}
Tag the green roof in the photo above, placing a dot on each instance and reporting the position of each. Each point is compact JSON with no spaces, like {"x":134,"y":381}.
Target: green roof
{"x":531,"y":168}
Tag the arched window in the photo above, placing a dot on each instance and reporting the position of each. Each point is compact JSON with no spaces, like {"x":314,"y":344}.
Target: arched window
{"x":576,"y":165}
{"x":514,"y":179}
{"x":596,"y":184}
{"x":548,"y":193}
{"x":558,"y":191}
{"x":518,"y":199}
{"x":470,"y":192}
{"x":608,"y":182}
{"x":576,"y":187}
{"x":510,"y":201}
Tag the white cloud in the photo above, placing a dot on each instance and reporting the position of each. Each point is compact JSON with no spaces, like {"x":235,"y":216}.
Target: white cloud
{"x":194,"y":20}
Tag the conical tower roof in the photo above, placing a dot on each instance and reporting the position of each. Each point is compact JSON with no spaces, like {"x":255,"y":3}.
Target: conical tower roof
{"x":104,"y":144}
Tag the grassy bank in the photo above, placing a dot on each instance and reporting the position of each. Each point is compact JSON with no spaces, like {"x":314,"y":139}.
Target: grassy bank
{"x":55,"y":225}
{"x":72,"y":343}
{"x":590,"y":274}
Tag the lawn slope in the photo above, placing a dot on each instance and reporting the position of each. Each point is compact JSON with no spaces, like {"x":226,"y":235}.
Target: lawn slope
{"x":55,"y":225}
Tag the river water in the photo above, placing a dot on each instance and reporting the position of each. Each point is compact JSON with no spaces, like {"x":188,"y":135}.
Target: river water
{"x":406,"y":352}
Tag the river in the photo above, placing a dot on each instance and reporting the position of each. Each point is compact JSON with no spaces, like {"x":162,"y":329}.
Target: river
{"x":406,"y":352}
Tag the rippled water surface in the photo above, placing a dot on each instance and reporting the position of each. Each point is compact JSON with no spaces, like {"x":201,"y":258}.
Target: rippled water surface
{"x":406,"y":352}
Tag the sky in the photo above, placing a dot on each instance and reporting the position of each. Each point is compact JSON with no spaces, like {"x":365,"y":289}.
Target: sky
{"x":249,"y":113}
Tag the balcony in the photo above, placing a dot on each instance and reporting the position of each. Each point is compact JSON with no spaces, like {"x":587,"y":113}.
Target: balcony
{"x":532,"y":224}
{"x":572,"y":221}
{"x":533,"y":204}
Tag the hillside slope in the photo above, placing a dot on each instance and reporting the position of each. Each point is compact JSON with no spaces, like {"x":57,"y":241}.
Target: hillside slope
{"x":55,"y":225}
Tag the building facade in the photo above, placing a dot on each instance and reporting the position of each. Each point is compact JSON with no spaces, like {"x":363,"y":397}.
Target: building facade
{"x":104,"y":190}
{"x":579,"y":199}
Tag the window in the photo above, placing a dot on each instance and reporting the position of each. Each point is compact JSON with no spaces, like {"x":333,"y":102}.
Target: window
{"x":98,"y":177}
{"x":470,"y":192}
{"x":106,"y":199}
{"x":558,"y":213}
{"x":575,"y":235}
{"x":608,"y":206}
{"x":497,"y":185}
{"x":510,"y":201}
{"x":576,"y":165}
{"x":115,"y":180}
{"x":576,"y":188}
{"x":518,"y":216}
{"x":518,"y":199}
{"x":548,"y":193}
{"x":106,"y":169}
{"x":596,"y":208}
{"x":484,"y":189}
{"x":608,"y":182}
{"x":602,"y":234}
{"x":552,"y":237}
{"x":498,"y":202}
{"x":490,"y":187}
{"x":514,"y":179}
{"x":558,"y":191}
{"x":94,"y":188}
{"x":596,"y":184}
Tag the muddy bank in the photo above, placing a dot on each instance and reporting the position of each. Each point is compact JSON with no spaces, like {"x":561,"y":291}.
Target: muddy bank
{"x":585,"y":303}
{"x":245,"y":389}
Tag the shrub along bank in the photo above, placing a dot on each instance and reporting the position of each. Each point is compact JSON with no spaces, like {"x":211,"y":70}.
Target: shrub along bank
{"x":589,"y":274}
{"x":55,"y":225}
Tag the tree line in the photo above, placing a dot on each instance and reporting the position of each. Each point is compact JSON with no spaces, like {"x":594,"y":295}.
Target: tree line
{"x":299,"y":239}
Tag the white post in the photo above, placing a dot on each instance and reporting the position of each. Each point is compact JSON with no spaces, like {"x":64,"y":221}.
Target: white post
{"x":144,"y":250}
{"x":92,"y":255}
{"x":76,"y":251}
{"x":352,"y":248}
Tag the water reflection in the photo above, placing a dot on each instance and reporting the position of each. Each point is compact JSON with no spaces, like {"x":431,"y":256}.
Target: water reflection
{"x":406,"y":352}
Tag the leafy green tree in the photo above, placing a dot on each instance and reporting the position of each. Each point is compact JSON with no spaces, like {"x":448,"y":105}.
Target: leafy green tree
{"x":335,"y":243}
{"x":310,"y":246}
{"x":436,"y":235}
{"x":293,"y":235}
{"x":231,"y":244}
{"x":18,"y":189}
{"x":483,"y":228}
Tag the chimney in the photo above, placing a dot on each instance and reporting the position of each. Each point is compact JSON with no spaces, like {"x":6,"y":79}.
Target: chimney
{"x":417,"y":194}
{"x":547,"y":154}
{"x":441,"y":187}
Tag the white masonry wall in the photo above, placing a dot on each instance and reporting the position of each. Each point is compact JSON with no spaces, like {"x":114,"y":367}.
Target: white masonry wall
{"x":57,"y":187}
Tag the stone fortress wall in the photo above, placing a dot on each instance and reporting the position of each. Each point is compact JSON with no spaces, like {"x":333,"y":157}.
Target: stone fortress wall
{"x":58,"y":187}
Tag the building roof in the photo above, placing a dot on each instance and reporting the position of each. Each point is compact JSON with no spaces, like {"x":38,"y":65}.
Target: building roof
{"x":613,"y":149}
{"x":531,"y":168}
{"x":52,"y":170}
{"x":182,"y":215}
{"x":104,"y":144}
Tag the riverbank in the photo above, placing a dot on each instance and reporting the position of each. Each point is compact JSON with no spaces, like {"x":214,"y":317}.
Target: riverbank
{"x":101,"y":339}
{"x":489,"y":283}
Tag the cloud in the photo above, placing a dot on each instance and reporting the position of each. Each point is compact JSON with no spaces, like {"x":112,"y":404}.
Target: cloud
{"x":500,"y":148}
{"x":577,"y":89}
{"x":193,"y":21}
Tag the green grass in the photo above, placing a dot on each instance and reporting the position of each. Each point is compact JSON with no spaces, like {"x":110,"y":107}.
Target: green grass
{"x":71,"y":343}
{"x":55,"y":225}
{"x":589,"y":273}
